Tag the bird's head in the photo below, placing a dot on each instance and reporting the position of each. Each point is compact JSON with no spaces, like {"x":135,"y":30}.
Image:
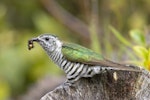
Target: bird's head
{"x":48,"y":42}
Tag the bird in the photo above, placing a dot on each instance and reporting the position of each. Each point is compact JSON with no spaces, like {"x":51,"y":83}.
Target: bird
{"x":75,"y":60}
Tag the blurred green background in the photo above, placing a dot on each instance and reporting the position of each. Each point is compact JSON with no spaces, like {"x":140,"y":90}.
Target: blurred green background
{"x":118,"y":29}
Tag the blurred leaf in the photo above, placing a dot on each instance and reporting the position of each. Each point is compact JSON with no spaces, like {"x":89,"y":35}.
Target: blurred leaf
{"x":148,"y":60}
{"x":149,"y":54}
{"x":138,"y":37}
{"x":147,"y":64}
{"x":95,"y":45}
{"x":119,"y":36}
{"x":142,"y":52}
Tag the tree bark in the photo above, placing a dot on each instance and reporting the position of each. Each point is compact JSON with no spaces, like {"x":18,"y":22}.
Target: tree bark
{"x":110,"y":85}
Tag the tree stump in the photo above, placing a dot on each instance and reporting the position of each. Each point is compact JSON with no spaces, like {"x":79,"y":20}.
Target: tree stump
{"x":110,"y":85}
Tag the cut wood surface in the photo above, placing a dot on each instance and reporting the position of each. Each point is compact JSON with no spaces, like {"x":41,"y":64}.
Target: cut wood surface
{"x":110,"y":85}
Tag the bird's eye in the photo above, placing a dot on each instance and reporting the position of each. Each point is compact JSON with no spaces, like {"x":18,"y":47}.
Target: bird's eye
{"x":46,"y":38}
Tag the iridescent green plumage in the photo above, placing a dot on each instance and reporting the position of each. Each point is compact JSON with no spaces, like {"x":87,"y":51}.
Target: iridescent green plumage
{"x":77,"y":53}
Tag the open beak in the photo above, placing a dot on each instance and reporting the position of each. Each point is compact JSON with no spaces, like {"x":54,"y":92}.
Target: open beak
{"x":30,"y":43}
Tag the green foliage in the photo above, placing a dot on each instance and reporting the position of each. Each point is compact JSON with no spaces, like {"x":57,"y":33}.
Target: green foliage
{"x":140,"y":49}
{"x":119,"y":36}
{"x":144,"y":55}
{"x":138,"y":37}
{"x":95,"y":44}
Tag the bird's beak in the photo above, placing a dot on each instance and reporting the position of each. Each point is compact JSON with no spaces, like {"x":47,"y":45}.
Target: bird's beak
{"x":34,"y":40}
{"x":30,"y":43}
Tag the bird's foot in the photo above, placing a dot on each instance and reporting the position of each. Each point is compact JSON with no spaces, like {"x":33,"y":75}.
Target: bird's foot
{"x":68,"y":83}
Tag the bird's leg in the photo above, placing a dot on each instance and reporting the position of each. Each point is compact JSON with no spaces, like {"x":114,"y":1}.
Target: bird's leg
{"x":68,"y":83}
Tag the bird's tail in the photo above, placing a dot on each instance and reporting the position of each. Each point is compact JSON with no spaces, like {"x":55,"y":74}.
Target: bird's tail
{"x":117,"y":66}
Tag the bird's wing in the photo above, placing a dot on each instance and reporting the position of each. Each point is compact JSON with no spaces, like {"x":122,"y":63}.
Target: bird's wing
{"x":77,"y":53}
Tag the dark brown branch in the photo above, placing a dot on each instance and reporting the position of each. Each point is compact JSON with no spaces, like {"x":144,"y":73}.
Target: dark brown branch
{"x":111,"y":85}
{"x":66,"y":18}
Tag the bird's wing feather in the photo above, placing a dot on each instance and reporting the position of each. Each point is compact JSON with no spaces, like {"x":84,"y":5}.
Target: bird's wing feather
{"x":77,"y":53}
